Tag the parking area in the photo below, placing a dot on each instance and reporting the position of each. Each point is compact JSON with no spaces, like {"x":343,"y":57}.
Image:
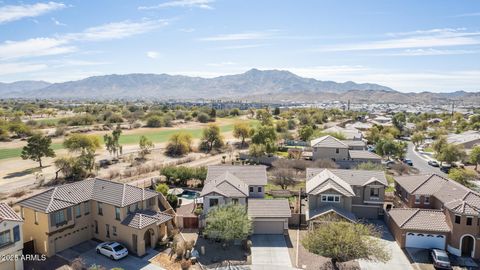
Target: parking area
{"x":270,"y":251}
{"x":398,"y":260}
{"x":422,"y":260}
{"x":87,"y":254}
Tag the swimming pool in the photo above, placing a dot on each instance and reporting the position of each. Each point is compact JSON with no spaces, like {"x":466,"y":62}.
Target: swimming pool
{"x":189,"y":194}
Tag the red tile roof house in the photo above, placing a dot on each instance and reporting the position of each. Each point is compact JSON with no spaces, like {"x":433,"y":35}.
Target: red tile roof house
{"x":439,"y":213}
{"x":245,"y":185}
{"x":349,"y":194}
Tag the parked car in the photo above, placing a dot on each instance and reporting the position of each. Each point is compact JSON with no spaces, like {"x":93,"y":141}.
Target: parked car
{"x":389,"y":164}
{"x":445,"y":168}
{"x":440,"y":259}
{"x":409,"y":162}
{"x":433,"y":163}
{"x":113,"y":250}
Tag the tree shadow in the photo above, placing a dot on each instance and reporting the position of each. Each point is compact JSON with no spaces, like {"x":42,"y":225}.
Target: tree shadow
{"x":25,"y":172}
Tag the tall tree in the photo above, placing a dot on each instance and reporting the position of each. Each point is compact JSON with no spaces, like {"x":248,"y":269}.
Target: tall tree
{"x":37,"y":147}
{"x":211,"y":138}
{"x":112,"y":142}
{"x":179,"y":144}
{"x":450,"y":153}
{"x":242,"y":131}
{"x":475,"y":156}
{"x":306,"y":133}
{"x":463,"y":176}
{"x":417,"y":139}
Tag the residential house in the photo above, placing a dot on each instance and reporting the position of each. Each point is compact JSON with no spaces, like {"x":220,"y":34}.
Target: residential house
{"x":437,"y":213}
{"x":67,"y":215}
{"x":346,"y":153}
{"x":245,"y":185}
{"x":468,"y":139}
{"x":349,"y":194}
{"x":11,"y":239}
{"x":349,"y":133}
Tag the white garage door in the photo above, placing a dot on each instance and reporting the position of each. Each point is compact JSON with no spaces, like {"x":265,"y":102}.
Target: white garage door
{"x":268,"y":227}
{"x":424,"y":240}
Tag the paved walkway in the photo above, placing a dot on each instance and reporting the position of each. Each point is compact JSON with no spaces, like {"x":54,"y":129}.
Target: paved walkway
{"x":398,"y":260}
{"x":270,"y":252}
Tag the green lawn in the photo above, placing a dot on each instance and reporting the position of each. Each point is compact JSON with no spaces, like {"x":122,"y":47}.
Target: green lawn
{"x":156,"y":136}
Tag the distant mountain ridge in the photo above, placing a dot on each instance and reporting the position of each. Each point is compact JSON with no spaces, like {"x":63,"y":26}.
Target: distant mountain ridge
{"x":254,"y":85}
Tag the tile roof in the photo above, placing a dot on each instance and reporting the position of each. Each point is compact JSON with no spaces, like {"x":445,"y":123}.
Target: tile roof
{"x":361,"y":154}
{"x":104,"y":191}
{"x":258,"y":208}
{"x":253,"y":175}
{"x":420,"y":219}
{"x":353,"y":142}
{"x":7,"y":213}
{"x":327,"y":141}
{"x":352,"y":177}
{"x":349,"y":133}
{"x":326,"y":180}
{"x":325,"y":209}
{"x":142,"y":219}
{"x":227,"y":185}
{"x":421,"y":184}
{"x":465,"y":137}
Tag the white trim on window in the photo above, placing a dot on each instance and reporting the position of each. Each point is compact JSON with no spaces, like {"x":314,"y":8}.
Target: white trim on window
{"x":426,"y":199}
{"x":417,"y":199}
{"x":331,"y":198}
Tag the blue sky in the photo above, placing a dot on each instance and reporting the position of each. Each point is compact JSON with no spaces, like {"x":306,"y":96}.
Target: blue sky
{"x":409,"y":45}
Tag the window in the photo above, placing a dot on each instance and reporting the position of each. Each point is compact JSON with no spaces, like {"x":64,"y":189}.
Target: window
{"x":151,"y":202}
{"x":78,"y":211}
{"x":259,"y":189}
{"x":114,"y":231}
{"x":107,"y":229}
{"x":5,"y":238}
{"x":426,"y":200}
{"x":137,"y":206}
{"x":235,"y":201}
{"x":87,"y":207}
{"x":96,"y":227}
{"x":458,"y":219}
{"x":99,"y":208}
{"x":250,"y":189}
{"x":331,"y":198}
{"x":36,"y":217}
{"x":59,"y":218}
{"x":469,"y":221}
{"x":16,"y":233}
{"x":337,"y":150}
{"x":374,"y":192}
{"x":117,"y":213}
{"x":213,"y":202}
{"x":417,"y":199}
{"x":22,"y":214}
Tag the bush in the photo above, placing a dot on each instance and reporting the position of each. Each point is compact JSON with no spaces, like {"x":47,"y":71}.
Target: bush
{"x":154,"y":121}
{"x":172,"y":200}
{"x":183,"y":174}
{"x":203,"y":118}
{"x":162,"y":188}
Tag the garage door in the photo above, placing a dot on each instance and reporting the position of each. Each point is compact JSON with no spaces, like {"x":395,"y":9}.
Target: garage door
{"x":72,"y":238}
{"x":424,"y":240}
{"x":268,"y":227}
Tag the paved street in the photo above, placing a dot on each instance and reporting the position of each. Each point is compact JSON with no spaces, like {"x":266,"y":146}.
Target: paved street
{"x":270,"y":252}
{"x":398,"y":260}
{"x":420,"y":163}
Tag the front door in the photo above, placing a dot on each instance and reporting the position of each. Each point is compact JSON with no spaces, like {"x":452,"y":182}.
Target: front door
{"x":467,"y":246}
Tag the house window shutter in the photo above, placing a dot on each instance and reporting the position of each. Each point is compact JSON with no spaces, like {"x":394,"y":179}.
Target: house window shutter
{"x":16,"y":233}
{"x":69,"y":213}
{"x":52,"y":219}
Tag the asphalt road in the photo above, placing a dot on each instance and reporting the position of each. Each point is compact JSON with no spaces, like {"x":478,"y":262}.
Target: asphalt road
{"x":420,"y":163}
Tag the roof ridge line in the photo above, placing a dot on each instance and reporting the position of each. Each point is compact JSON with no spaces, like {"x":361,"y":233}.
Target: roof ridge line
{"x":422,"y":183}
{"x":52,"y":198}
{"x":123,"y":194}
{"x":408,"y":219}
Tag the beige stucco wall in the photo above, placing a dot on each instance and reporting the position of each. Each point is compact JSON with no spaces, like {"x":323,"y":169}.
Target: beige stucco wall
{"x":315,"y":201}
{"x":36,"y":232}
{"x":329,"y":153}
{"x":221,"y":201}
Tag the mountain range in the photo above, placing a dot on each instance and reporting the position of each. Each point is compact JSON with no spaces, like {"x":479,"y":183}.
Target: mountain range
{"x":253,"y":85}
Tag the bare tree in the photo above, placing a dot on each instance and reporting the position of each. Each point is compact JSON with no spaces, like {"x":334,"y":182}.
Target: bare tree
{"x":283,"y":177}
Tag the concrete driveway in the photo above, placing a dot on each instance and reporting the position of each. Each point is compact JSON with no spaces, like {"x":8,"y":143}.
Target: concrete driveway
{"x":270,"y":252}
{"x":398,"y":260}
{"x":86,"y":251}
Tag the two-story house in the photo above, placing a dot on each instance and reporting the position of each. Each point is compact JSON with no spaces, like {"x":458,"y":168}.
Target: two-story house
{"x":64,"y":216}
{"x":349,"y":194}
{"x":346,"y":153}
{"x":437,"y":213}
{"x":245,"y":185}
{"x":11,"y":240}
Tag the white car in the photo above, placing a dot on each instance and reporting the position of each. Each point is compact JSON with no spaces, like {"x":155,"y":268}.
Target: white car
{"x":113,"y":250}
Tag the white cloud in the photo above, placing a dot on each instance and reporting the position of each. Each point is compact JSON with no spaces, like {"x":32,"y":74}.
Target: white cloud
{"x":241,"y":36}
{"x":34,"y":47}
{"x":428,"y":52}
{"x":417,"y":39}
{"x":117,"y":30}
{"x":153,"y":54}
{"x":205,"y":4}
{"x":57,"y":22}
{"x":473,"y":14}
{"x":244,"y":46}
{"x":13,"y":13}
{"x":14,"y":68}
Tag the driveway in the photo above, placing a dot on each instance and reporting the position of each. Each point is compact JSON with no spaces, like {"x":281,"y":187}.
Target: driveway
{"x":86,"y":251}
{"x":270,"y":252}
{"x":398,"y":260}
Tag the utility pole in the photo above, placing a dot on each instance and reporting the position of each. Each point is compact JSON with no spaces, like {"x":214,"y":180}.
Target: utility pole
{"x":453,"y":107}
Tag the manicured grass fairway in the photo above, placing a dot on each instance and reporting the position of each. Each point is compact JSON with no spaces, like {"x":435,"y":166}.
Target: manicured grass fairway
{"x":156,"y":136}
